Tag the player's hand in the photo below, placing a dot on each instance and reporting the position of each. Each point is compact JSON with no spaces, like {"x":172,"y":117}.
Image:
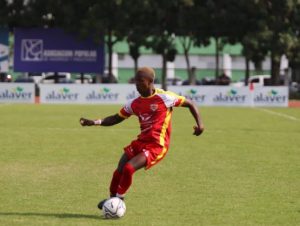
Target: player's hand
{"x":86,"y":122}
{"x":198,"y":130}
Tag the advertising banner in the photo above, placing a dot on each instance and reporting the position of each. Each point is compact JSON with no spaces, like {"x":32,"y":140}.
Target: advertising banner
{"x":17,"y":93}
{"x":194,"y":93}
{"x":53,"y":50}
{"x":271,"y":96}
{"x":109,"y":94}
{"x":86,"y":94}
{"x":4,"y":50}
{"x":60,"y":93}
{"x":215,"y":95}
{"x":201,"y":95}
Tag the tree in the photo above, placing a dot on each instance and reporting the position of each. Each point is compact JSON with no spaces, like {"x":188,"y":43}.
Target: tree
{"x":135,"y":41}
{"x":186,"y":43}
{"x":165,"y":46}
{"x":186,"y":30}
{"x":294,"y":54}
{"x":3,"y":13}
{"x":276,"y":26}
{"x":252,"y":36}
{"x":108,"y":18}
{"x":139,"y":27}
{"x":163,"y":23}
{"x":254,"y":50}
{"x":16,"y":14}
{"x":213,"y":19}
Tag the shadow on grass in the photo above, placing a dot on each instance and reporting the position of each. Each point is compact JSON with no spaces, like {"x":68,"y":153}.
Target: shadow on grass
{"x":55,"y":215}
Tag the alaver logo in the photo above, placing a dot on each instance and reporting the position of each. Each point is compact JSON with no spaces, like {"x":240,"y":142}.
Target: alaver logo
{"x":272,"y":92}
{"x":271,"y":96}
{"x":63,"y":94}
{"x":193,"y":94}
{"x":17,"y":93}
{"x":64,"y":91}
{"x":102,"y":94}
{"x":231,"y":92}
{"x":231,"y":96}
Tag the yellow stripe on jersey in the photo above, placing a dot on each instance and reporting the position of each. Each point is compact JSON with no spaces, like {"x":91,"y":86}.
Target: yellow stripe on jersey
{"x":165,"y":127}
{"x":162,"y":154}
{"x":181,"y":98}
{"x":159,"y":90}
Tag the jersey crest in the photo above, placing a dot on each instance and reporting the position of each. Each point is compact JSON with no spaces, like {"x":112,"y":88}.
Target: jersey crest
{"x":153,"y":107}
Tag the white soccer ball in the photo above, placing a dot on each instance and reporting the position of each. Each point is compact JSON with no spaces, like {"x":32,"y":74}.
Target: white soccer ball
{"x":114,"y":208}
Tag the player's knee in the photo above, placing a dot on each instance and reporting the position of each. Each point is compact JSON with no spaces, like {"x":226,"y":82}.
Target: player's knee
{"x":122,"y":162}
{"x":120,"y":168}
{"x":128,"y":169}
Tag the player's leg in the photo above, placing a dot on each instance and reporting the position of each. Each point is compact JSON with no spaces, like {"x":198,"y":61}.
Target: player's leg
{"x":115,"y":179}
{"x":134,"y":164}
{"x":117,"y":175}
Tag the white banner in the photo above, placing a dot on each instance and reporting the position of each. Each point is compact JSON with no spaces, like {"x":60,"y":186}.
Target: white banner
{"x":201,"y":95}
{"x":271,"y":96}
{"x":215,"y":95}
{"x":87,"y":94}
{"x":17,"y":93}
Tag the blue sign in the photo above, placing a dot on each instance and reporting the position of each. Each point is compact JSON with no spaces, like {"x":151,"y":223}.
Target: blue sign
{"x":4,"y":50}
{"x":53,"y":50}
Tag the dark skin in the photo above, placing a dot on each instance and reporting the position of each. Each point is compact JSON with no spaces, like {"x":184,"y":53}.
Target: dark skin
{"x":144,"y":85}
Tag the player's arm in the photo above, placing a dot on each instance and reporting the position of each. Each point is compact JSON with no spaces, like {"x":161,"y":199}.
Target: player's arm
{"x":199,"y":128}
{"x":107,"y":121}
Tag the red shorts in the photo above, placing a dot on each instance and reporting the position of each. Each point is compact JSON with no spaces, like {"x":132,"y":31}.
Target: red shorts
{"x":153,"y":152}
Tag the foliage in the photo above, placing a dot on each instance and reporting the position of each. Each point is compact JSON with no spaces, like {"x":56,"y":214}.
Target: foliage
{"x":3,"y":13}
{"x":263,"y":27}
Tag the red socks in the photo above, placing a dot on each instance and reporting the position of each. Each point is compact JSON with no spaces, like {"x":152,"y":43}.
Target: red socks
{"x":115,"y":183}
{"x":126,"y":179}
{"x":122,"y":181}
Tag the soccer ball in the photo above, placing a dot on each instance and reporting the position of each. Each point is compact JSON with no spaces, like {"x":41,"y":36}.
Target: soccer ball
{"x":114,"y":208}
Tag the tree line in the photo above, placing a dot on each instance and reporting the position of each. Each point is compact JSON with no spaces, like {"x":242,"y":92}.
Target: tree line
{"x":262,"y":27}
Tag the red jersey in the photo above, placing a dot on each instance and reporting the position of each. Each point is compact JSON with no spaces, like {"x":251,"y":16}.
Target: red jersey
{"x":154,"y":113}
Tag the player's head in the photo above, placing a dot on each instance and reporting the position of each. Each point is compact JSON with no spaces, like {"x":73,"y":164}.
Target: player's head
{"x":144,"y":80}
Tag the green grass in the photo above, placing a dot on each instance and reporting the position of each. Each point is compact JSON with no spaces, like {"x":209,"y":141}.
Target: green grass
{"x":244,"y":170}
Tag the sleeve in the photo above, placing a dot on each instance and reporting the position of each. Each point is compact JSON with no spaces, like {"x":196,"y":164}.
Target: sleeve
{"x":172,"y":99}
{"x":126,"y":110}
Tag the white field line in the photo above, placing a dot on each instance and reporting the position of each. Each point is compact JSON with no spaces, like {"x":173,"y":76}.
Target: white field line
{"x":279,"y":114}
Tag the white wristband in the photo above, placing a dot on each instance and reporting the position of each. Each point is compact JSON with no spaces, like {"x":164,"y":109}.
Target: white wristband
{"x":98,"y":122}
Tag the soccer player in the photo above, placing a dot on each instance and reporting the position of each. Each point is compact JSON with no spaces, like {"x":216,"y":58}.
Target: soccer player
{"x":154,"y":109}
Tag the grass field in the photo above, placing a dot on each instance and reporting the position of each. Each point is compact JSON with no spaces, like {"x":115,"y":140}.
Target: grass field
{"x":244,"y":170}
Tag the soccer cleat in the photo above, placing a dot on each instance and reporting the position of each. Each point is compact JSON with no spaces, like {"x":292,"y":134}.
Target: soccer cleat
{"x":100,"y":205}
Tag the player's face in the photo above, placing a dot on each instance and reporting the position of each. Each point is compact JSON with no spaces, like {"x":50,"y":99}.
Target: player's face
{"x":143,"y":85}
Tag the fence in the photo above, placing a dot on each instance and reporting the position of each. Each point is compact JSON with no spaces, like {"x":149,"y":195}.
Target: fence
{"x":270,"y":96}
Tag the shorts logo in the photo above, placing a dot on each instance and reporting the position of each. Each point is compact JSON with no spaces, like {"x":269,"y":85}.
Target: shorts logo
{"x":146,"y":152}
{"x":153,"y":107}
